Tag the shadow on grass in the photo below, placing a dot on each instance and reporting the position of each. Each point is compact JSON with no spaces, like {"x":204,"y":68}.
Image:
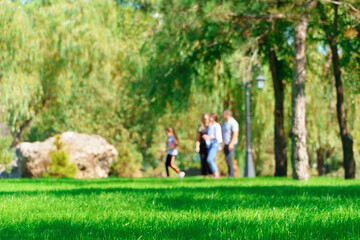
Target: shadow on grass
{"x":217,"y":198}
{"x":181,"y":212}
{"x":160,"y":228}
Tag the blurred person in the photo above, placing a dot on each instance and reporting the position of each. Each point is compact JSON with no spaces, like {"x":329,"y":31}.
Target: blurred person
{"x":213,"y":139}
{"x":200,"y":146}
{"x":230,"y":130}
{"x":173,"y":143}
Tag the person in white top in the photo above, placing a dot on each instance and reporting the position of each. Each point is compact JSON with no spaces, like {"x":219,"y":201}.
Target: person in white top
{"x":230,"y":133}
{"x":213,"y":140}
{"x":173,"y":143}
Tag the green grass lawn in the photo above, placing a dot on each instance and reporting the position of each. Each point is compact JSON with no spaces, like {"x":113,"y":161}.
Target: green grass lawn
{"x":262,"y":208}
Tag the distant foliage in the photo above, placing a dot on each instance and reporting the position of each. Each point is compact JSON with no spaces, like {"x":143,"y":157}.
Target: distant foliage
{"x":60,"y":164}
{"x":125,"y":70}
{"x":79,"y":54}
{"x":6,"y":154}
{"x":128,"y":162}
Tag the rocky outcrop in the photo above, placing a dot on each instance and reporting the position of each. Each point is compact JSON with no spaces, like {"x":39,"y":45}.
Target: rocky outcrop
{"x":92,"y":155}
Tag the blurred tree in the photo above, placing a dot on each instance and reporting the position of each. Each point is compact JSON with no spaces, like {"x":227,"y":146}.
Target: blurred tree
{"x":331,"y":31}
{"x":72,"y":66}
{"x":127,"y":69}
{"x":280,"y":73}
{"x":299,"y":155}
{"x":214,"y":33}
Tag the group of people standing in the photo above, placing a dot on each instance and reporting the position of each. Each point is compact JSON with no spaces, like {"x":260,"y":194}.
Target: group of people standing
{"x":210,"y":136}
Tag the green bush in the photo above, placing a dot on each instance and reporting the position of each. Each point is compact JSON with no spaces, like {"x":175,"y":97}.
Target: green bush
{"x":128,"y":162}
{"x":6,"y":154}
{"x":60,"y":164}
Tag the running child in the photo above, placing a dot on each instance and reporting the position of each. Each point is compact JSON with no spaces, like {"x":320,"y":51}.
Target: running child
{"x":173,"y":143}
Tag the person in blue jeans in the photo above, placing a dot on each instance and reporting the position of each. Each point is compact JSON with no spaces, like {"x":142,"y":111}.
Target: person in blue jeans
{"x":230,"y":131}
{"x":213,"y":140}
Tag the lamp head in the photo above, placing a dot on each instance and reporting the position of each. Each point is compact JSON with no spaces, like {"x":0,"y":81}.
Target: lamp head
{"x":260,"y":81}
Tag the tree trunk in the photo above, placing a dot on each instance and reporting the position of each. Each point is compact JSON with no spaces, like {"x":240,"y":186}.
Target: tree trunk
{"x":280,"y":141}
{"x":299,"y":156}
{"x":27,"y":122}
{"x":346,"y":138}
{"x":320,"y":154}
{"x":347,"y":141}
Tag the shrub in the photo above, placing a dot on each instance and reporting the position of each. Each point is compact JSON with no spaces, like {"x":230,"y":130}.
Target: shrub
{"x":60,"y":165}
{"x":128,"y":163}
{"x":6,"y":154}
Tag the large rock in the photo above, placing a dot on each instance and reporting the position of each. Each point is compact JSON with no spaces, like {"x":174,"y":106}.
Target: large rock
{"x":91,"y":153}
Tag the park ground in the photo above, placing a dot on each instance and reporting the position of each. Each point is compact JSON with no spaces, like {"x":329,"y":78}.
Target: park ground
{"x":190,"y":208}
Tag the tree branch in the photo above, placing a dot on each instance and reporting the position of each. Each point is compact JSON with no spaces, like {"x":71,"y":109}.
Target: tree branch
{"x":326,"y":26}
{"x":27,"y":122}
{"x":343,"y":3}
{"x":268,"y":17}
{"x":271,"y":17}
{"x":336,"y":14}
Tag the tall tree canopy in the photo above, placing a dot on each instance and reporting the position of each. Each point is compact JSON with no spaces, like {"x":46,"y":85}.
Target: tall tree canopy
{"x":127,"y":69}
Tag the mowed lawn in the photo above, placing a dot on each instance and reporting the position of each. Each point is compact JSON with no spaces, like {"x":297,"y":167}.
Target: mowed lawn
{"x":190,"y":208}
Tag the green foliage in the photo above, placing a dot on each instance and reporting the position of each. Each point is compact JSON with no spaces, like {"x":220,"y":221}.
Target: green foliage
{"x":191,"y":208}
{"x":218,"y":79}
{"x":127,"y":69}
{"x":6,"y":154}
{"x":85,"y":56}
{"x":128,"y":162}
{"x":60,"y":165}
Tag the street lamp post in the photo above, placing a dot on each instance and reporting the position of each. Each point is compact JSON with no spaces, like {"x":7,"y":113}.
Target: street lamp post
{"x":249,"y":163}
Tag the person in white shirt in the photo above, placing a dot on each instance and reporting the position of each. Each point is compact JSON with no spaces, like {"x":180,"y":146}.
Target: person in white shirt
{"x":230,"y":133}
{"x":213,"y":140}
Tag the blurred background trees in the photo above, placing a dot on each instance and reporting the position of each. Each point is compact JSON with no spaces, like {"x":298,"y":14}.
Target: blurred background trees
{"x":127,"y":69}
